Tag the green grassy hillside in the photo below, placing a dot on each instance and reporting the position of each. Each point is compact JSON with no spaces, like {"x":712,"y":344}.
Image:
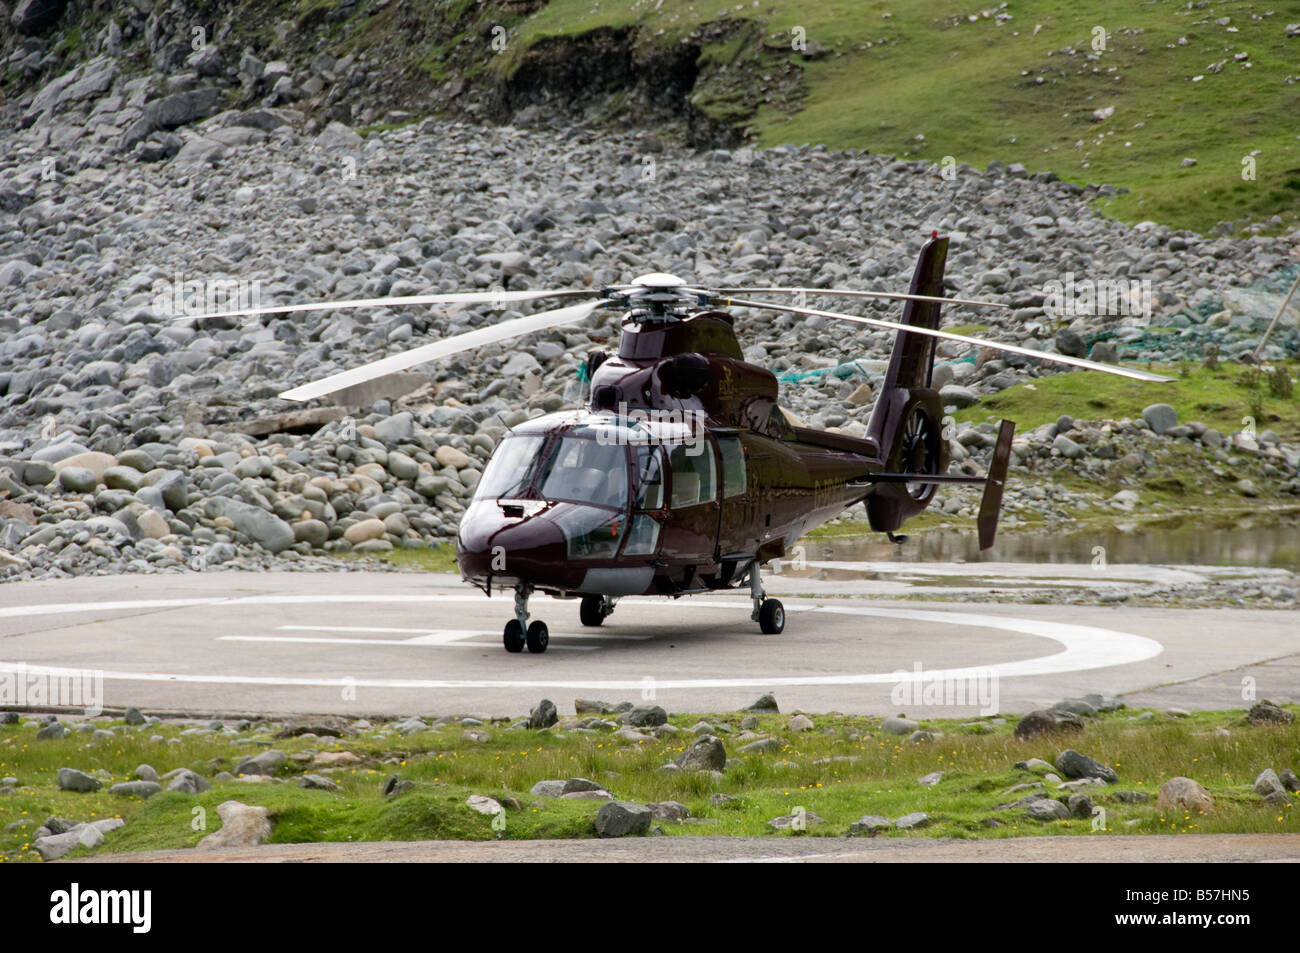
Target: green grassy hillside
{"x":1019,"y":82}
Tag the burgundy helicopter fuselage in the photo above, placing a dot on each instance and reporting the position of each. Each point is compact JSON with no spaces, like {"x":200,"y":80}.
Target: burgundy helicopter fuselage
{"x":703,"y":474}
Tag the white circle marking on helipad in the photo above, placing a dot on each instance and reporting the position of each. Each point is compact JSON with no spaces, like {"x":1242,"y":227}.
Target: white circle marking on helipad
{"x":1083,"y":647}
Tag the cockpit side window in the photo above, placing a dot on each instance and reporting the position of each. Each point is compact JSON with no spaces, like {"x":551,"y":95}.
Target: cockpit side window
{"x":649,"y":478}
{"x":694,"y":477}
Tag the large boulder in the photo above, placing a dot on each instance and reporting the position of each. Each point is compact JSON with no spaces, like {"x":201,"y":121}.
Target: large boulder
{"x":1075,"y":765}
{"x":1044,"y":722}
{"x":241,"y":826}
{"x":706,"y":754}
{"x":265,"y":763}
{"x":765,"y":704}
{"x":92,"y":460}
{"x":1184,"y":794}
{"x":266,"y":529}
{"x":1160,"y":417}
{"x":644,"y":717}
{"x":70,"y":779}
{"x":620,"y":818}
{"x":544,"y":715}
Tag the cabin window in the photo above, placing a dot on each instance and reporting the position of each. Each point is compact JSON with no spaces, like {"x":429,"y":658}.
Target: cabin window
{"x":733,"y":467}
{"x":694,"y":476}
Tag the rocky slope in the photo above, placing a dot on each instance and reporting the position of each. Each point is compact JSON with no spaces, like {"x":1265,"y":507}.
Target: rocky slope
{"x":137,"y":436}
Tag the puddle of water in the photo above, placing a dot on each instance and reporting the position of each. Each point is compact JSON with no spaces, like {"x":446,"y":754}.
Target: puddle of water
{"x":1265,"y":546}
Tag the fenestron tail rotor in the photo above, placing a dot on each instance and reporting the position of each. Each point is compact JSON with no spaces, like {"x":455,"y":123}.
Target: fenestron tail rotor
{"x":1128,"y":372}
{"x":444,"y":348}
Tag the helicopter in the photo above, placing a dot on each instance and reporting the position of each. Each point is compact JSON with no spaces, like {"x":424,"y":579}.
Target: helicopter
{"x":683,"y":475}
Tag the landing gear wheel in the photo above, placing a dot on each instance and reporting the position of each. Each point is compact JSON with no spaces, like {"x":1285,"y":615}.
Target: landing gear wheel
{"x":513,"y":636}
{"x":594,"y":610}
{"x":538,"y":637}
{"x":771,"y":617}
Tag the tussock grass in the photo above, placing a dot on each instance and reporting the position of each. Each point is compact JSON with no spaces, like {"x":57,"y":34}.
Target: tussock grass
{"x":843,"y":769}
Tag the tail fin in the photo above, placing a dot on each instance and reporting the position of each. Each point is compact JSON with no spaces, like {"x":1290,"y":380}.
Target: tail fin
{"x":906,"y":423}
{"x":912,"y":359}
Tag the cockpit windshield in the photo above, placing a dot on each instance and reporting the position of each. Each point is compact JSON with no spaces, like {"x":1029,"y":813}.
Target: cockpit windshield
{"x":508,"y":471}
{"x":586,"y":471}
{"x":572,"y":469}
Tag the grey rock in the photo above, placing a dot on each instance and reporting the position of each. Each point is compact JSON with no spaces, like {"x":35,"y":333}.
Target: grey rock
{"x":706,"y":754}
{"x":1040,"y":722}
{"x":622,"y":818}
{"x":644,"y":717}
{"x":242,"y":825}
{"x":70,"y":779}
{"x":1267,"y":782}
{"x":1160,"y":417}
{"x":1072,"y":764}
{"x":764,"y":704}
{"x":870,"y":824}
{"x":188,"y":782}
{"x":1048,"y":809}
{"x":672,"y":811}
{"x":52,"y":732}
{"x":78,"y":479}
{"x":1266,"y":713}
{"x":267,"y":762}
{"x":762,"y":746}
{"x":140,"y":789}
{"x":911,"y":821}
{"x":544,"y":715}
{"x":266,"y":529}
{"x":958,"y":396}
{"x":317,"y":782}
{"x":899,"y":726}
{"x":799,"y":821}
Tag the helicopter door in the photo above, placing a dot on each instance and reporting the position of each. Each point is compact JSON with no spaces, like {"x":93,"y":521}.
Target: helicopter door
{"x":736,"y":536}
{"x":690,"y":531}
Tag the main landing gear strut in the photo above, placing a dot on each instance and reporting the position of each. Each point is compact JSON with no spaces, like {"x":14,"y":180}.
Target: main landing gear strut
{"x":768,"y":613}
{"x":520,"y":632}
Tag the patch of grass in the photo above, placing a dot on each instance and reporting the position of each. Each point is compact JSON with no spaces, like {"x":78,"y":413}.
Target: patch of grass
{"x":845,"y":768}
{"x":1216,"y":398}
{"x":441,"y":558}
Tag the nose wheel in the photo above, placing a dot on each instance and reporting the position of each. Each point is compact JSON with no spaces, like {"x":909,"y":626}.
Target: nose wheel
{"x":520,"y":632}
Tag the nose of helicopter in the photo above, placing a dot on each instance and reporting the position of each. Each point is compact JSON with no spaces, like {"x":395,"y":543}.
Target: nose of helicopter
{"x":498,"y":548}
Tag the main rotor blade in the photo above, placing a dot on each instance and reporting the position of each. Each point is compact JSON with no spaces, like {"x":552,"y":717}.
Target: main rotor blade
{"x":967,"y":339}
{"x":845,"y":292}
{"x":495,"y":298}
{"x":445,"y":347}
